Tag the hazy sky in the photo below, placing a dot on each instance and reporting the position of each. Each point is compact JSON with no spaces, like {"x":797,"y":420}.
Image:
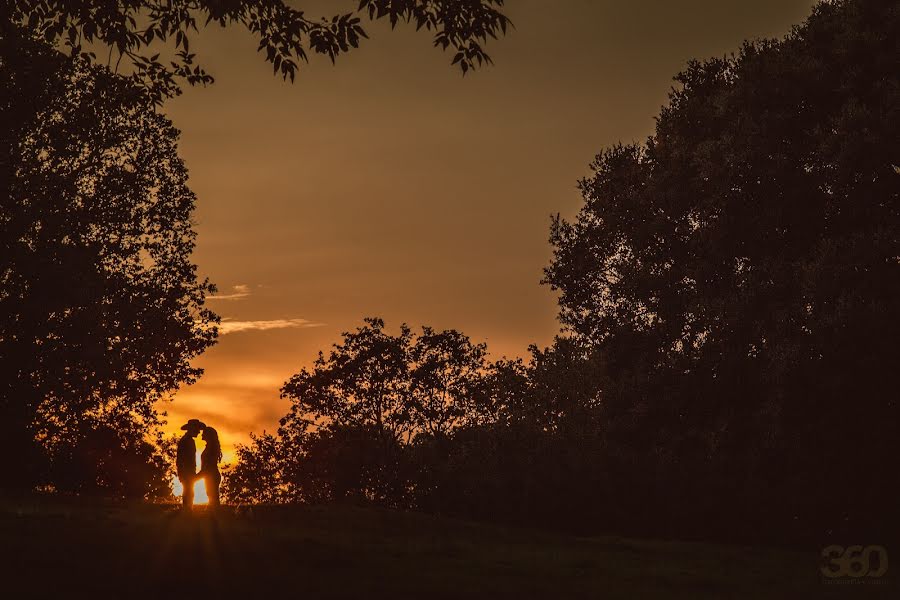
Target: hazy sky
{"x":388,"y":185}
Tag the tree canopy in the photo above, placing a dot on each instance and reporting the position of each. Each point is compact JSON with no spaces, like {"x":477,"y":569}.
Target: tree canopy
{"x":739,"y":271}
{"x":359,"y":412}
{"x":400,"y":384}
{"x":135,"y":29}
{"x":101,"y":308}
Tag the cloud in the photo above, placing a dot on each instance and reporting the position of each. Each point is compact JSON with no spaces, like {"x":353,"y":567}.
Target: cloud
{"x":227,"y":326}
{"x":238,"y":293}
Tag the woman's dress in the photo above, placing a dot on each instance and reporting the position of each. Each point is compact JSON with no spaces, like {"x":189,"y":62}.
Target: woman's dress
{"x":209,"y":471}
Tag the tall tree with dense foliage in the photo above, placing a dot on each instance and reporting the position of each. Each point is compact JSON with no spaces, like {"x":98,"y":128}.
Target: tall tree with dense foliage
{"x":739,"y":275}
{"x":101,"y":309}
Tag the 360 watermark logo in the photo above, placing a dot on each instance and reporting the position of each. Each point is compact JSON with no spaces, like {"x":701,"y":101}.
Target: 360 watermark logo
{"x":855,"y":564}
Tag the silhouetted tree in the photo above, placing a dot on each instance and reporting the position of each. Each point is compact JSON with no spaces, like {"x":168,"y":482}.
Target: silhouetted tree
{"x":535,"y":452}
{"x":400,"y":385}
{"x":134,"y":29}
{"x":739,"y":272}
{"x":257,"y":477}
{"x":364,"y":382}
{"x":447,"y":369}
{"x":358,"y":412}
{"x":105,"y":459}
{"x":502,"y":393}
{"x":100,"y":306}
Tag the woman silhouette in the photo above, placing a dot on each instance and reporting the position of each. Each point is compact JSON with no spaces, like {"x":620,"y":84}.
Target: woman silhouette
{"x":209,"y":465}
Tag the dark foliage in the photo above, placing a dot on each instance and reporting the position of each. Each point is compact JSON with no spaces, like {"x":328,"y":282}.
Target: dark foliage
{"x":426,"y":421}
{"x":357,"y":413}
{"x":100,"y":306}
{"x":105,"y":461}
{"x":738,"y":274}
{"x":139,"y":31}
{"x":729,"y":292}
{"x":258,"y":476}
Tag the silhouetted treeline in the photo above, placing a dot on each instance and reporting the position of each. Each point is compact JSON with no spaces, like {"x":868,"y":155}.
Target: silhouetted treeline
{"x":729,"y":296}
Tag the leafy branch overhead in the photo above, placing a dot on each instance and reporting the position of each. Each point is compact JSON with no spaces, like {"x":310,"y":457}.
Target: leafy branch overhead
{"x":128,"y":29}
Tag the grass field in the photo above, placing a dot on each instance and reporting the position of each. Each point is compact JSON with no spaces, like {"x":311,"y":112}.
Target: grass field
{"x":64,"y":551}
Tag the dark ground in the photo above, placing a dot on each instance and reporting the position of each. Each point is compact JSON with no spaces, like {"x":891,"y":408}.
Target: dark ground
{"x":66,"y":550}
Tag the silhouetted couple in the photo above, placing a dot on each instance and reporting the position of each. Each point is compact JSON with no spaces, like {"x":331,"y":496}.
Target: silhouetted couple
{"x":186,"y":463}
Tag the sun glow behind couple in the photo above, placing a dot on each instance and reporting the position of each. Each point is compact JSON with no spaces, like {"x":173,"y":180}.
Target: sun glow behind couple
{"x":200,"y":496}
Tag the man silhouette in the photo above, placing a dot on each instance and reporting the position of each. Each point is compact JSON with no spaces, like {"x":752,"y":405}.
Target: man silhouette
{"x":186,"y":461}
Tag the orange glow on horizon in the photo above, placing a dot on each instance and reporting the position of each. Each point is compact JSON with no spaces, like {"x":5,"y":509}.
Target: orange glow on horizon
{"x":200,"y":496}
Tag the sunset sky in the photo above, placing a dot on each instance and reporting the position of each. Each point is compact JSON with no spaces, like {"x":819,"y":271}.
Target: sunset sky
{"x":388,"y":185}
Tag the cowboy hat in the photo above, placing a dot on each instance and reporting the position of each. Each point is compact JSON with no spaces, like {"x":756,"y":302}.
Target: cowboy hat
{"x":193,"y":424}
